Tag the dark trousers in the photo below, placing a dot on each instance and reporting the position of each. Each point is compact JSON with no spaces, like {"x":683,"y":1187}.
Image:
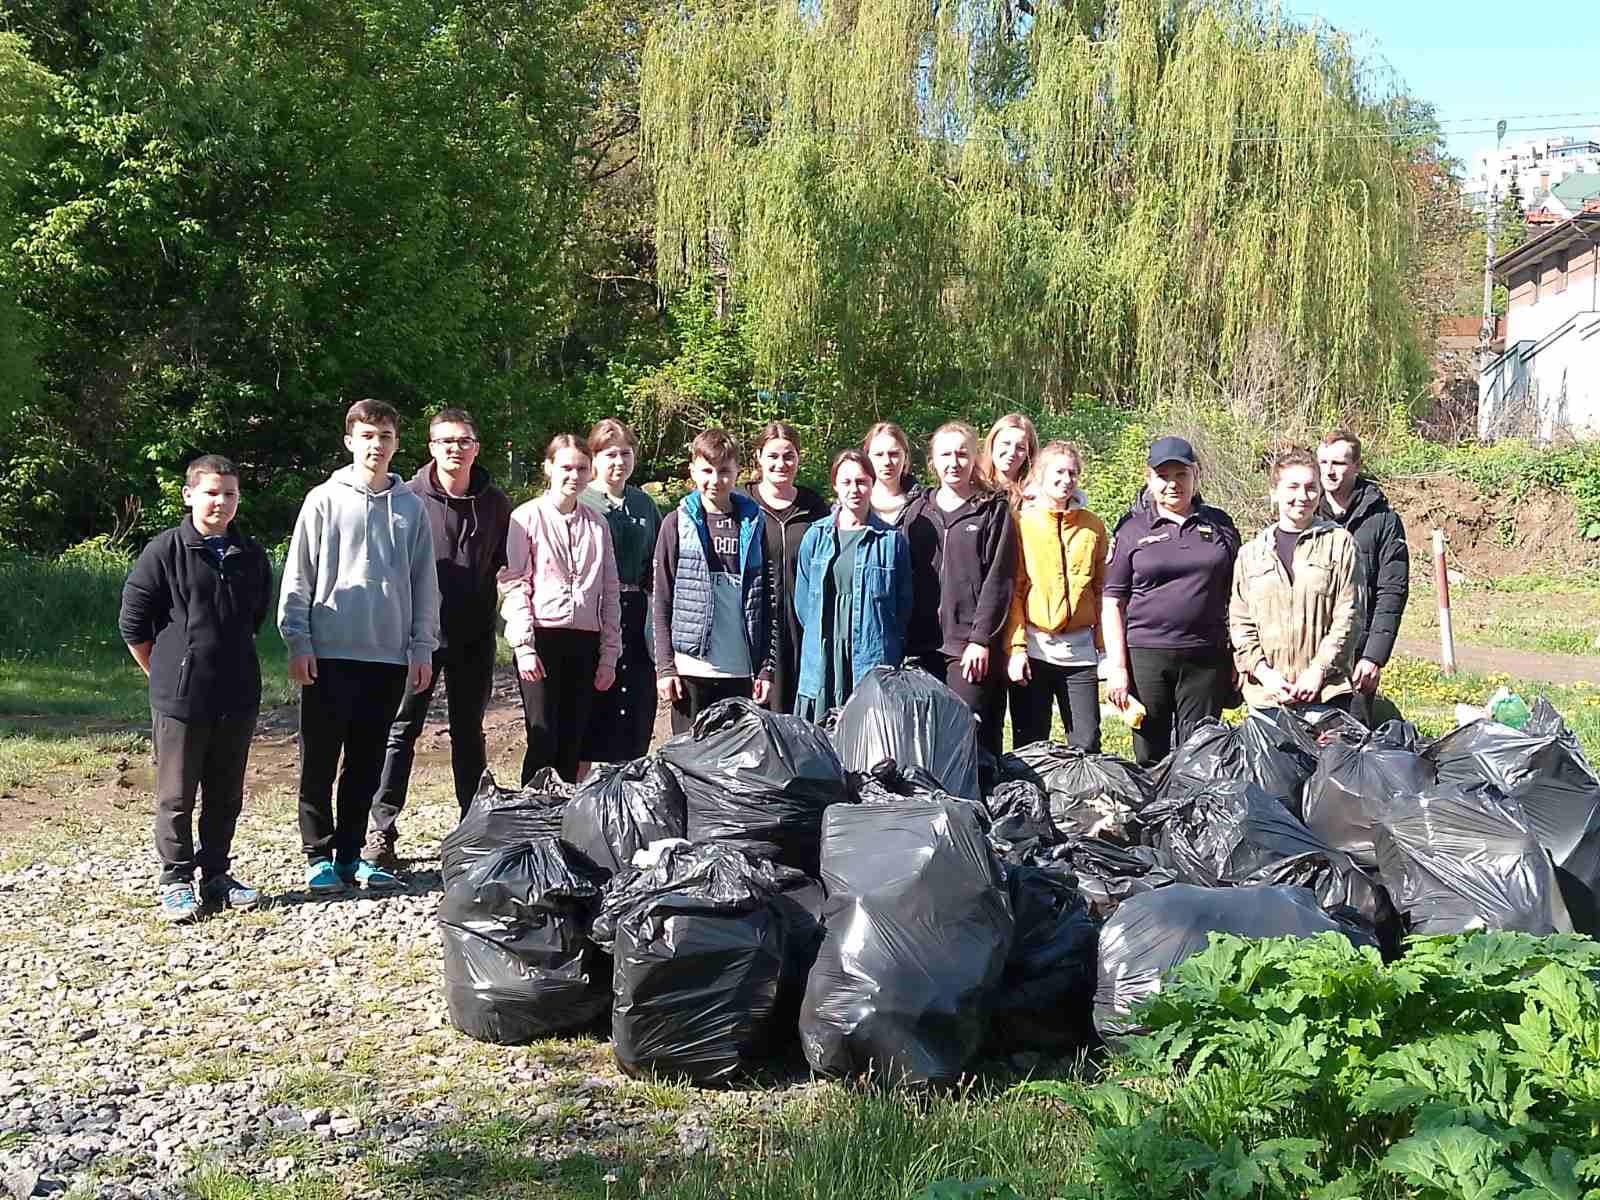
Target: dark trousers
{"x":205,"y":758}
{"x":624,"y":718}
{"x":700,"y":693}
{"x":1179,"y":689}
{"x":1075,"y":691}
{"x":986,"y":698}
{"x":346,"y":711}
{"x":468,"y":672}
{"x":556,"y":709}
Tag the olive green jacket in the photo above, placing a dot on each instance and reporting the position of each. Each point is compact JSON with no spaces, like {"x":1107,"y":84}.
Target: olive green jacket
{"x":1293,"y":627}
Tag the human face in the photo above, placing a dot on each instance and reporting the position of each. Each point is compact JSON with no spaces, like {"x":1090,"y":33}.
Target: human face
{"x":1338,"y":466}
{"x":714,"y":481}
{"x":454,"y":447}
{"x":779,"y":460}
{"x":1059,"y":480}
{"x":568,"y":472}
{"x":1296,"y":494}
{"x":212,"y":501}
{"x":372,"y":446}
{"x":853,"y":486}
{"x":888,"y":460}
{"x":613,"y":466}
{"x":952,"y":460}
{"x":1009,"y":453}
{"x":1172,"y":486}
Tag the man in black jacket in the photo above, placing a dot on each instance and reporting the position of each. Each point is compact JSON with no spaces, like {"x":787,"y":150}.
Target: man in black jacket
{"x":470,"y":518}
{"x":190,"y":612}
{"x":1384,"y":583}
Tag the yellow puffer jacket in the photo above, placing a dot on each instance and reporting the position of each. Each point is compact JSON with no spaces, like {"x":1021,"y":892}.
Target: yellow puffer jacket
{"x":1060,"y":573}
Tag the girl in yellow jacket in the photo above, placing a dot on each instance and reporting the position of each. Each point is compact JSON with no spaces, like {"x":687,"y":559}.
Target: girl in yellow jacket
{"x":1053,"y":635}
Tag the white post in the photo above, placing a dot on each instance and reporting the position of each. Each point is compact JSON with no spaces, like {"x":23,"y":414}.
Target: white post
{"x":1441,"y":583}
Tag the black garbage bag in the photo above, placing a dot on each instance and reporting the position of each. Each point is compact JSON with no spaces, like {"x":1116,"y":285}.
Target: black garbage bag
{"x":1045,"y":1000}
{"x":1271,"y":747}
{"x":916,"y":934}
{"x":1357,"y":781}
{"x":499,"y":817}
{"x":1107,"y":873}
{"x":1463,"y":856}
{"x":886,"y":781}
{"x":905,"y":714}
{"x":757,"y":780}
{"x":518,"y":963}
{"x":621,"y":808}
{"x":1152,"y":933}
{"x":1019,"y":814}
{"x":701,"y":947}
{"x":1091,"y":795}
{"x":1236,"y":834}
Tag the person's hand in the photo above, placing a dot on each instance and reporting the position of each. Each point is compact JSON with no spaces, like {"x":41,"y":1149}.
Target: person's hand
{"x":303,"y":669}
{"x":604,"y":677}
{"x":974,"y":663}
{"x":419,"y":677}
{"x":670,"y":688}
{"x":1117,"y":686}
{"x":760,"y":690}
{"x":1308,"y":686}
{"x":1274,"y":685}
{"x":1017,"y":668}
{"x":529,"y":668}
{"x":1366,"y":676}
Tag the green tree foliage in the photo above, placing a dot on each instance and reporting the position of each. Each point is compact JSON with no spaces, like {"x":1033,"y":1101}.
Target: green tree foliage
{"x":1133,"y":199}
{"x":25,"y":88}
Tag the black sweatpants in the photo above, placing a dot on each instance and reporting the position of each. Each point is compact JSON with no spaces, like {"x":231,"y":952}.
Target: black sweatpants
{"x":986,"y":698}
{"x":346,"y":711}
{"x":1075,"y":691}
{"x":1179,"y":689}
{"x":623,"y":719}
{"x":468,"y":672}
{"x":555,"y":710}
{"x":700,"y":693}
{"x":205,"y":758}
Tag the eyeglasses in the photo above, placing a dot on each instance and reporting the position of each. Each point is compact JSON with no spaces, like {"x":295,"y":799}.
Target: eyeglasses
{"x":459,"y":443}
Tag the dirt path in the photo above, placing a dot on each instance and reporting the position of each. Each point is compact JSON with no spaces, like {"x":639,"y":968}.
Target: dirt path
{"x":1563,"y":669}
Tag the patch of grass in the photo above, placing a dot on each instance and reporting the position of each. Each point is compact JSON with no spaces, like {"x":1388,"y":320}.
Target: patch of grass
{"x":1427,"y":698}
{"x":222,"y":1068}
{"x":666,"y":1097}
{"x":215,"y":1183}
{"x":317,"y":1087}
{"x":15,"y":1139}
{"x":32,"y":751}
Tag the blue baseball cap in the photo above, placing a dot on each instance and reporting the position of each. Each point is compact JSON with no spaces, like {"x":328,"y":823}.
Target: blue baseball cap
{"x":1171,"y":449}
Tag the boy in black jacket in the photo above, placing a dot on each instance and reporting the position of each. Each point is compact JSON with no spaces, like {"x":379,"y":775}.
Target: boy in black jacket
{"x":190,"y":611}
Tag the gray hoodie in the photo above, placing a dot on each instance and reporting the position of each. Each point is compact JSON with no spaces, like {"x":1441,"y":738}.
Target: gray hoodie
{"x":360,"y":582}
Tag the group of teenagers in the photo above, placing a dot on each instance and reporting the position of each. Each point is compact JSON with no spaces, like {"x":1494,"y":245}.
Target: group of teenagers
{"x":992,"y":575}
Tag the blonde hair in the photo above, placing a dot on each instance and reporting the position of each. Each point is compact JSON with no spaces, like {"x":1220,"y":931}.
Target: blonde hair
{"x":970,"y":436}
{"x":1055,"y":449}
{"x":565,"y":441}
{"x":1013,"y":490}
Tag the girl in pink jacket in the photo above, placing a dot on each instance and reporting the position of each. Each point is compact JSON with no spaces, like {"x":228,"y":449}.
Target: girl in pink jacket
{"x":561,"y":604}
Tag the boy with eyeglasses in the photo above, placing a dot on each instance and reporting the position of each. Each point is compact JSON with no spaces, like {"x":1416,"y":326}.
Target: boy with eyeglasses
{"x":469,"y":517}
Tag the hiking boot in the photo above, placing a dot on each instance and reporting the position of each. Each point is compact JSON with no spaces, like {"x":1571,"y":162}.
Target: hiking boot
{"x":178,"y":902}
{"x":375,"y":879}
{"x":321,"y":878}
{"x":382,"y":855}
{"x":228,"y":892}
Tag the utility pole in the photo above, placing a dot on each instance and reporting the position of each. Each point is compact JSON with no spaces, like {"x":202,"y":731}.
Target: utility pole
{"x":1486,"y":335}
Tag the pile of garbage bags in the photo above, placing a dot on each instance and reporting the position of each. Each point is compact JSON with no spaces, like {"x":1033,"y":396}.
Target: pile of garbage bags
{"x":886,"y":901}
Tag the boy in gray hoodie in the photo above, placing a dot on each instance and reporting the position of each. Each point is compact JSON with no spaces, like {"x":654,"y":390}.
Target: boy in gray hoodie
{"x":359,"y":610}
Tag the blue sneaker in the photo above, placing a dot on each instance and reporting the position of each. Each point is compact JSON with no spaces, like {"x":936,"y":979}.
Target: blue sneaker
{"x":375,"y":879}
{"x":228,"y":892}
{"x":321,"y":878}
{"x":178,"y":902}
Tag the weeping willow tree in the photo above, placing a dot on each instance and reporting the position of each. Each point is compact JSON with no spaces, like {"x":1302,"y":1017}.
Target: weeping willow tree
{"x":1132,"y":198}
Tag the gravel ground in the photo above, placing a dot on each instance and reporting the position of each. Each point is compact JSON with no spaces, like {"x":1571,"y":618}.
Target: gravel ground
{"x":306,"y":1040}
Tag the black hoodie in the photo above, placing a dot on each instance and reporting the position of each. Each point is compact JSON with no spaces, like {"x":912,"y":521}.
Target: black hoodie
{"x":1383,"y":584}
{"x":469,"y":544}
{"x":963,"y":568}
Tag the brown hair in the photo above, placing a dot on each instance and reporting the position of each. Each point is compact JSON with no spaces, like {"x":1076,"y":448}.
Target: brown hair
{"x":986,"y":472}
{"x":371,"y":412}
{"x":208,"y":464}
{"x":608,"y":433}
{"x":452,"y":416}
{"x":776,"y":431}
{"x":852,"y":455}
{"x":889,"y":428}
{"x":565,"y":441}
{"x":716,"y":446}
{"x":1291,"y":456}
{"x":1344,"y":435}
{"x":1054,"y":450}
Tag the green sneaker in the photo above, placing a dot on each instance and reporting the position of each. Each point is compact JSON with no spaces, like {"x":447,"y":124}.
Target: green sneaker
{"x":321,"y":878}
{"x":375,"y":879}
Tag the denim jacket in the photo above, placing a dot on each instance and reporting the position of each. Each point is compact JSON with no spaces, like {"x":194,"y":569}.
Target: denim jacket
{"x":880,"y":603}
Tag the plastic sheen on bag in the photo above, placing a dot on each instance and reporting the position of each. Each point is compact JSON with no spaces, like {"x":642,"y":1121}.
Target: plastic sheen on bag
{"x":917,"y":932}
{"x":1045,"y":1000}
{"x":1152,"y":933}
{"x":905,"y":714}
{"x":1091,"y":795}
{"x":757,"y":780}
{"x":1107,"y":874}
{"x":1464,"y":856}
{"x":620,"y":809}
{"x":1020,"y":822}
{"x":701,"y":950}
{"x":1355,"y":784}
{"x":499,"y":817}
{"x":518,"y":963}
{"x":1271,"y":747}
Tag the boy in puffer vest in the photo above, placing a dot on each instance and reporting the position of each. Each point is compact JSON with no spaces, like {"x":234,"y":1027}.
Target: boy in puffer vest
{"x":714,"y":612}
